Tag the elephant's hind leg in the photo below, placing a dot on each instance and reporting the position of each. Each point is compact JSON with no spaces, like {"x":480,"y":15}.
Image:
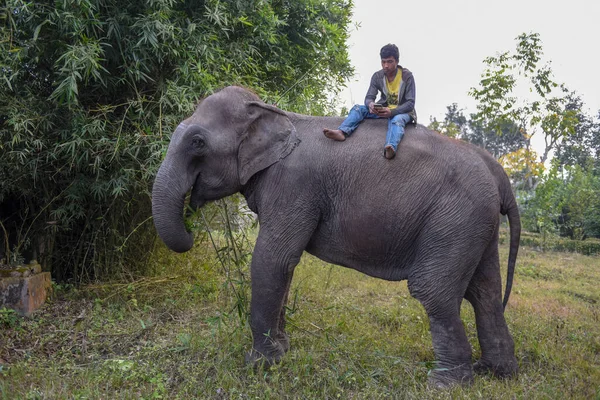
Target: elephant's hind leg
{"x":485,"y":294}
{"x":439,"y":279}
{"x":441,"y":299}
{"x":451,"y":347}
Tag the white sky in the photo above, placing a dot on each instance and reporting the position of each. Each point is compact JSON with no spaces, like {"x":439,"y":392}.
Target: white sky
{"x":445,"y":42}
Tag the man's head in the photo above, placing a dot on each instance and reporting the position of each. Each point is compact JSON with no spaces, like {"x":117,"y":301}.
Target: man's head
{"x":389,"y":58}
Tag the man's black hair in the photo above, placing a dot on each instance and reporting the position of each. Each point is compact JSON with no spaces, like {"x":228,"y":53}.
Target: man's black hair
{"x":390,"y":50}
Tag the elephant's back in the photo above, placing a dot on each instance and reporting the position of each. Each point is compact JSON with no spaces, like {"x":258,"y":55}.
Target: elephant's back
{"x":427,"y":163}
{"x":421,"y":150}
{"x":369,"y":136}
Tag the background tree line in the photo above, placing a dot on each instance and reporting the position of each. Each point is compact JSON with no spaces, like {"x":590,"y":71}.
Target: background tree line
{"x":90,"y":91}
{"x":558,"y":190}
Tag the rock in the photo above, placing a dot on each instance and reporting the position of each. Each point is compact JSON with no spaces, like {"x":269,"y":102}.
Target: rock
{"x":24,"y":289}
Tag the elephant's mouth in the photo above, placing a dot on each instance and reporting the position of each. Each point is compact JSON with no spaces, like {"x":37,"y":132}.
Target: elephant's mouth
{"x":196,"y":203}
{"x":196,"y":198}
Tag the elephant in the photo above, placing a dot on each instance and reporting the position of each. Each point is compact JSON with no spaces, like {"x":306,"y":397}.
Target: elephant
{"x":431,"y":216}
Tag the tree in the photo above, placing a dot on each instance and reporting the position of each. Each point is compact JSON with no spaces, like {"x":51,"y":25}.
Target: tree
{"x":91,"y":89}
{"x":548,"y":110}
{"x":453,"y":125}
{"x":566,"y":202}
{"x":522,"y":167}
{"x":582,"y":147}
{"x":510,"y":138}
{"x":540,"y":209}
{"x":456,"y":125}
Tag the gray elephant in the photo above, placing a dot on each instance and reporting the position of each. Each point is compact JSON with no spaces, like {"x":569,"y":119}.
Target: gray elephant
{"x":430,"y":216}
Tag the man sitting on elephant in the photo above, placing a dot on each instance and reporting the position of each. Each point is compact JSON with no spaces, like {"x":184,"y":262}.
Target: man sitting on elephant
{"x":397,"y":102}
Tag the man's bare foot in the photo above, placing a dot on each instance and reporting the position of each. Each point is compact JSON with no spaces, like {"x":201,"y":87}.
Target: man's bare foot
{"x":389,"y":152}
{"x":334,"y":134}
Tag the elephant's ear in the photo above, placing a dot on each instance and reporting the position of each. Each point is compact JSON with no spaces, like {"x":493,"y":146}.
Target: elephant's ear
{"x":269,"y":137}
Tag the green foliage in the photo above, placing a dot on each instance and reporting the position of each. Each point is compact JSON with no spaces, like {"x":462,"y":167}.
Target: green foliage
{"x":8,"y":318}
{"x":453,"y":124}
{"x":233,"y":248}
{"x":584,"y":146}
{"x":588,"y":247}
{"x":91,"y":89}
{"x":566,"y":202}
{"x":545,"y":110}
{"x":510,"y":137}
{"x":552,"y":242}
{"x":555,"y":112}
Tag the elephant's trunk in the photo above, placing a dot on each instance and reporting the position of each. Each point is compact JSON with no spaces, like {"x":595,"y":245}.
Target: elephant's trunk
{"x":168,"y":198}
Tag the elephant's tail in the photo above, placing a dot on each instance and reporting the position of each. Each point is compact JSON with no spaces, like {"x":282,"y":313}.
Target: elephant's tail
{"x":510,"y":208}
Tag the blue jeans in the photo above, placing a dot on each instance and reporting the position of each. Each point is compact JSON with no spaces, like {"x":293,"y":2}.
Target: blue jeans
{"x":395,"y":129}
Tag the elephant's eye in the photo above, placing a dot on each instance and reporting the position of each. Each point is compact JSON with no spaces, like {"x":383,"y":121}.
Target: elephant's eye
{"x":198,"y":143}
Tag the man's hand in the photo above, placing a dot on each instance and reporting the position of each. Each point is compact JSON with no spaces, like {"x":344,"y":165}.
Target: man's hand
{"x":384,"y":112}
{"x":372,"y":108}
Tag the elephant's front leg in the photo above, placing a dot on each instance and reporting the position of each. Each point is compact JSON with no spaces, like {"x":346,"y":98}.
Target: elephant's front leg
{"x":282,"y":337}
{"x":271,"y":273}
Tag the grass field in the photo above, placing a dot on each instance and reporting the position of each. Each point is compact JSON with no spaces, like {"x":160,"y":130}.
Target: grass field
{"x":179,"y":335}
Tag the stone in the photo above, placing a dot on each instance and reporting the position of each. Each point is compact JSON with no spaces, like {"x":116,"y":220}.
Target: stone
{"x":24,"y":289}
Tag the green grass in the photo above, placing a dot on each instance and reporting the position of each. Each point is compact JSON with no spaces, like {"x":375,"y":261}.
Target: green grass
{"x":178,"y":335}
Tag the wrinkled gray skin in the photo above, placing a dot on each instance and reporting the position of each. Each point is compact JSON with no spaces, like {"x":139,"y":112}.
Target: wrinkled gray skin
{"x":430,"y":216}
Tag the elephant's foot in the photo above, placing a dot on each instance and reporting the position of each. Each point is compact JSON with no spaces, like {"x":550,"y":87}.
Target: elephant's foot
{"x":270,"y":353}
{"x":507,"y":369}
{"x":284,"y":341}
{"x":443,"y":378}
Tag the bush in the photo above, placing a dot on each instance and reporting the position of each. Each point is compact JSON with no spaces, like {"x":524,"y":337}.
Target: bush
{"x":90,"y":91}
{"x":566,"y":202}
{"x":588,"y":247}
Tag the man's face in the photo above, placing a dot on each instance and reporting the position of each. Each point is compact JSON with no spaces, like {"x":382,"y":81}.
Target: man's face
{"x":389,"y":65}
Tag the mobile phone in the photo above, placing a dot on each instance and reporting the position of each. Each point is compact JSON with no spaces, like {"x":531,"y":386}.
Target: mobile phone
{"x":377,"y":106}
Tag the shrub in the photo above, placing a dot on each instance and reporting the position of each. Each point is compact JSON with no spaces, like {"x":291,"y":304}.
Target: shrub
{"x":566,"y":202}
{"x":90,"y":91}
{"x":589,"y":247}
